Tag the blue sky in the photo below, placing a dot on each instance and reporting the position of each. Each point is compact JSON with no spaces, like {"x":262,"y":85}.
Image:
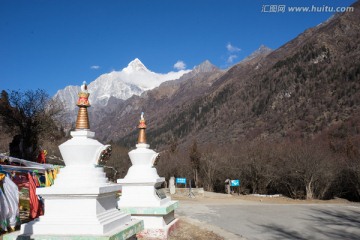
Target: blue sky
{"x":50,"y":44}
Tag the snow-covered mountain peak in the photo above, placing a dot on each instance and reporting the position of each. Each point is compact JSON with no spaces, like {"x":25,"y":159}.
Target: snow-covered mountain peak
{"x":135,"y":66}
{"x":131,"y":80}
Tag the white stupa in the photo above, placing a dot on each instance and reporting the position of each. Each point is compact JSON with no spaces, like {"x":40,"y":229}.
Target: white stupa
{"x":142,"y":196}
{"x":82,"y":204}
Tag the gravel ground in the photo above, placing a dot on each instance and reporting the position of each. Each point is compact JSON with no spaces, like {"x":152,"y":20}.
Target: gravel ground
{"x":255,"y":218}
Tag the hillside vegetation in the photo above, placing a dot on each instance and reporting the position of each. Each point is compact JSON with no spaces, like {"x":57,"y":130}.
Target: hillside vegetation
{"x":286,"y":121}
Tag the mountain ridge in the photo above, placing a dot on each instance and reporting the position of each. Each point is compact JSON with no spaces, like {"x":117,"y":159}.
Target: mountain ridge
{"x":161,"y":100}
{"x":299,"y":90}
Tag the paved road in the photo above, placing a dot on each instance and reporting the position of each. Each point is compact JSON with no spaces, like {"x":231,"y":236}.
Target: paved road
{"x":255,"y":221}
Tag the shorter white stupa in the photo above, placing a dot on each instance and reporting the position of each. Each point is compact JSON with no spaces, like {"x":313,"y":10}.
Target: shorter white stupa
{"x":82,"y":203}
{"x":142,"y":195}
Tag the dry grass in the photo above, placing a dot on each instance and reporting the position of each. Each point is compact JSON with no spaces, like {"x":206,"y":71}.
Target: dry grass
{"x":187,"y":231}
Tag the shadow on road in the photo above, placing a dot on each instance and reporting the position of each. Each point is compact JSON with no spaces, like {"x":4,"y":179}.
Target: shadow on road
{"x":321,"y":224}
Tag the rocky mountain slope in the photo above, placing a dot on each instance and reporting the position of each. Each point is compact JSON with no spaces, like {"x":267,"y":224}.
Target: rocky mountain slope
{"x":165,"y":100}
{"x":302,"y":89}
{"x":119,"y":117}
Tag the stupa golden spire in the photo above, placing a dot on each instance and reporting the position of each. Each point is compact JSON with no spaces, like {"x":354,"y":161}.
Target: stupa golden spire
{"x":142,"y":127}
{"x":82,"y":121}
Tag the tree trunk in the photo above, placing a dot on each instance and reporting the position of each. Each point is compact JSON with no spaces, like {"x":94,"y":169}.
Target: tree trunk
{"x":309,"y":190}
{"x":196,"y":178}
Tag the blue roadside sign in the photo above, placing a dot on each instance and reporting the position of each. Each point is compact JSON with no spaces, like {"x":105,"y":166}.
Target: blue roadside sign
{"x":181,"y":180}
{"x":235,"y":183}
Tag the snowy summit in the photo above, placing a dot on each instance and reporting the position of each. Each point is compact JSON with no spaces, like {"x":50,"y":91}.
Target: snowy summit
{"x":131,"y":80}
{"x":135,"y":66}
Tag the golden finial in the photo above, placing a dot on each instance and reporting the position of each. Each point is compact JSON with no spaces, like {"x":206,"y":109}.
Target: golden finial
{"x":142,"y":127}
{"x":82,"y":121}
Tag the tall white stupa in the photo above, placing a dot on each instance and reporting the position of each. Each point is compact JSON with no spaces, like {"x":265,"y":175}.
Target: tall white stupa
{"x":82,"y":203}
{"x":142,"y":195}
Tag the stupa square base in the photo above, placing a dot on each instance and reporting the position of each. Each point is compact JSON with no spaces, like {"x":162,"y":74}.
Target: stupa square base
{"x":90,"y":211}
{"x":158,"y":210}
{"x":159,"y":233}
{"x":102,"y":224}
{"x":127,"y":231}
{"x":158,"y":221}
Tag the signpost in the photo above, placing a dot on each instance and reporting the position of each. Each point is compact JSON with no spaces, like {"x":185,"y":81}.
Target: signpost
{"x":235,"y":183}
{"x":181,"y":180}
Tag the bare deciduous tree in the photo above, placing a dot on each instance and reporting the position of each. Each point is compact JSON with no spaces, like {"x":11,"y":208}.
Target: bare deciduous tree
{"x":258,"y":166}
{"x":195,"y":157}
{"x":307,"y":167}
{"x":28,"y":115}
{"x":210,"y":168}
